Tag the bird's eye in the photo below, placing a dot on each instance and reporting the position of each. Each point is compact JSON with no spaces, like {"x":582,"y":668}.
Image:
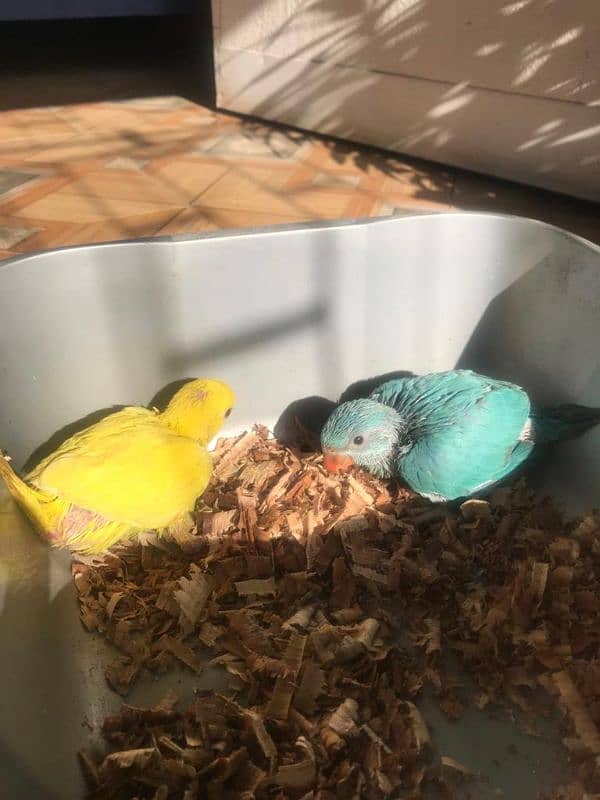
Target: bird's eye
{"x":358,"y":440}
{"x":228,"y":412}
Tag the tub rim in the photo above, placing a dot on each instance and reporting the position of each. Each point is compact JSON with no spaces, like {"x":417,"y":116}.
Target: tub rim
{"x":228,"y":233}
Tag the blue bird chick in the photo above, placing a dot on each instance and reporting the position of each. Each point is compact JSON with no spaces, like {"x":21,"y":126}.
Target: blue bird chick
{"x":448,"y":435}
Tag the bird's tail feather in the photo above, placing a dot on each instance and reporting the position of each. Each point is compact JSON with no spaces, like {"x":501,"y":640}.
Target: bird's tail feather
{"x":34,"y":503}
{"x":563,"y":422}
{"x":91,"y":534}
{"x":59,"y":522}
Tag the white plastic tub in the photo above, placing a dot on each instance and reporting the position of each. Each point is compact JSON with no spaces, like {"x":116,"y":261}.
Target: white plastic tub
{"x":281,"y":314}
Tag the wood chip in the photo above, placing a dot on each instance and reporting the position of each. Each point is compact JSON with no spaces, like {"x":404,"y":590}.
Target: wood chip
{"x":584,"y":724}
{"x":298,"y":776}
{"x":182,"y":652}
{"x":456,"y":766}
{"x":279,"y":704}
{"x":344,"y":718}
{"x":300,"y":619}
{"x":266,"y":743}
{"x":192,"y":596}
{"x":229,"y":463}
{"x":475,"y":509}
{"x":311,"y":686}
{"x":256,"y":586}
{"x":419,"y":726}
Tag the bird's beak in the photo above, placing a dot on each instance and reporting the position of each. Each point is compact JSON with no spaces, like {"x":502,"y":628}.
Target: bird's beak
{"x":337,"y":463}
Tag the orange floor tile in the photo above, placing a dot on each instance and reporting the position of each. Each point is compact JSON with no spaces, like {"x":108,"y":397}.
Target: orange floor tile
{"x":163,"y":165}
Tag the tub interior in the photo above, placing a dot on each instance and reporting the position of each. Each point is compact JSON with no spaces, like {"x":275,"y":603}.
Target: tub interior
{"x":281,"y":314}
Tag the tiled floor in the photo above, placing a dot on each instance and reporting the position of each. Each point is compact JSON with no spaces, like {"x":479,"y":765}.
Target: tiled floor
{"x":101,"y":171}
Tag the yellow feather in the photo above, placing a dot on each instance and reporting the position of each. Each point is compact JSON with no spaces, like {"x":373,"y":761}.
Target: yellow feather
{"x":42,"y":509}
{"x":134,"y":470}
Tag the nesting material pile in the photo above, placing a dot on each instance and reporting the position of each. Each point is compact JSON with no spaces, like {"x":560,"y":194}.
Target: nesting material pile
{"x":331,"y":603}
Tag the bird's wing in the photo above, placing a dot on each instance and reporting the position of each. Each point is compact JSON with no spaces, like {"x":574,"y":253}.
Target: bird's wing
{"x":464,"y":428}
{"x":124,"y":419}
{"x":128,"y":467}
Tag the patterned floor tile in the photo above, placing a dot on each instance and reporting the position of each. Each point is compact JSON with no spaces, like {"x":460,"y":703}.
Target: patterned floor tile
{"x":76,"y":149}
{"x":272,"y":144}
{"x":13,"y":181}
{"x":10,"y":236}
{"x":125,"y":227}
{"x":130,"y":185}
{"x":124,"y":162}
{"x":160,"y":165}
{"x":200,"y":220}
{"x":43,"y":184}
{"x":63,"y":206}
{"x":188,"y":178}
{"x":265,"y":189}
{"x":24,"y":129}
{"x":48,"y":236}
{"x":155,"y":103}
{"x":335,"y":179}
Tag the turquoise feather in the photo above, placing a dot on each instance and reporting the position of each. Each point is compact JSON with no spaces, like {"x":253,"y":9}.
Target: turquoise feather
{"x":448,"y":435}
{"x":464,"y":431}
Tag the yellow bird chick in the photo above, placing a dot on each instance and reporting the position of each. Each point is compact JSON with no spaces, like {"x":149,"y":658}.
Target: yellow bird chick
{"x":136,"y":470}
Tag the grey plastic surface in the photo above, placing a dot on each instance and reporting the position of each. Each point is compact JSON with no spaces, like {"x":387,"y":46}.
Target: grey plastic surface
{"x":281,"y":314}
